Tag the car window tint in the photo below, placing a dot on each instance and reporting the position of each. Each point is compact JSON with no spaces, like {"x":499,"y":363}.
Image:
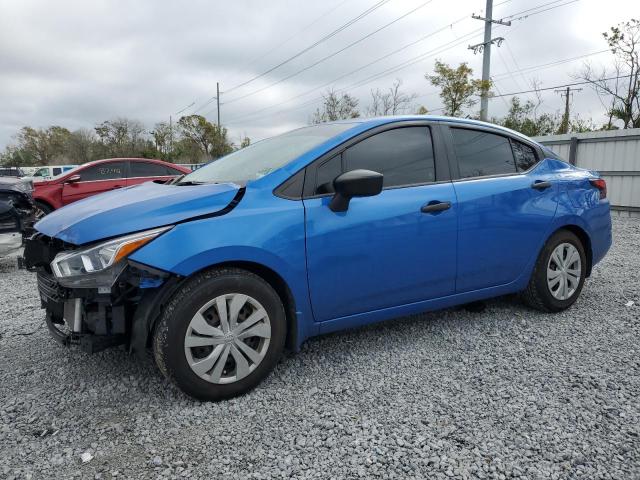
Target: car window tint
{"x":173,"y":171}
{"x":481,"y":153}
{"x":103,"y":171}
{"x":525,"y":155}
{"x":326,"y":174}
{"x":57,"y":171}
{"x":403,"y":155}
{"x":148,"y":169}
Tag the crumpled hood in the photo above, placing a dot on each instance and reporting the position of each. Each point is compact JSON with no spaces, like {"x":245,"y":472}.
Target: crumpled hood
{"x":132,"y":209}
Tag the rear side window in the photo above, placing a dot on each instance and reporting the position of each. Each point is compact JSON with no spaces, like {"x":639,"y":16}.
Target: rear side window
{"x":481,"y":153}
{"x":403,"y":155}
{"x":104,"y":171}
{"x":148,"y":169}
{"x":525,"y":155}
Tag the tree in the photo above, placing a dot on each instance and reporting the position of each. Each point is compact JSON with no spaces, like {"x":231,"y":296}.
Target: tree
{"x":622,"y":86}
{"x":122,"y":137}
{"x":163,"y":134}
{"x":391,"y":102}
{"x":42,"y":146}
{"x":335,"y":107}
{"x":523,"y":118}
{"x":422,"y":110}
{"x":457,"y":87}
{"x":210,"y":139}
{"x":245,"y":142}
{"x":80,"y":146}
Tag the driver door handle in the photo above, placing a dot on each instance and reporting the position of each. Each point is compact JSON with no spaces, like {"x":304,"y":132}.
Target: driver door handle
{"x":435,"y":207}
{"x":540,"y":185}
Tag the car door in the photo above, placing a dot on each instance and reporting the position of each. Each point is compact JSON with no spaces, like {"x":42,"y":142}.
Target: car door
{"x":387,"y":250}
{"x":94,"y":179}
{"x":141,"y":171}
{"x":505,"y":205}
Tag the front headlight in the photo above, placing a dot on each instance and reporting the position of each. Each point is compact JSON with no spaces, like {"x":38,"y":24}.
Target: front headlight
{"x":100,"y":265}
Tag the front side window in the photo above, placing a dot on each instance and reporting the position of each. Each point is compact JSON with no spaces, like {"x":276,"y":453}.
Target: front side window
{"x":43,"y":172}
{"x":403,"y":155}
{"x":103,"y":171}
{"x":481,"y":153}
{"x":262,"y":158}
{"x":525,"y":155}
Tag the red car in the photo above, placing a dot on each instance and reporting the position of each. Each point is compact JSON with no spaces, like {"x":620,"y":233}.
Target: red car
{"x":100,"y":176}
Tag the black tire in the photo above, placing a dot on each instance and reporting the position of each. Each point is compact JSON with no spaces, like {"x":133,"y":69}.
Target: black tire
{"x":169,"y":335}
{"x":538,"y":294}
{"x":42,"y":209}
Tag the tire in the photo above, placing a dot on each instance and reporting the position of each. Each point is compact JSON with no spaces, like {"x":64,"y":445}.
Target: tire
{"x":198,"y":369}
{"x":42,"y":209}
{"x":544,"y":291}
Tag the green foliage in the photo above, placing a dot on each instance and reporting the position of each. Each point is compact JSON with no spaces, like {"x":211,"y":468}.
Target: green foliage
{"x":457,"y":87}
{"x":522,"y":118}
{"x":422,"y":110}
{"x":210,"y":139}
{"x":336,"y":107}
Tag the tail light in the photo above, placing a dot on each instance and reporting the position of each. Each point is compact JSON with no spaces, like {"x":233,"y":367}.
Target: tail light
{"x":601,"y":185}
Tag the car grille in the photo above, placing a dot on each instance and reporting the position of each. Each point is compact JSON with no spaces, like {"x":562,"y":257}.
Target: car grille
{"x":49,"y":287}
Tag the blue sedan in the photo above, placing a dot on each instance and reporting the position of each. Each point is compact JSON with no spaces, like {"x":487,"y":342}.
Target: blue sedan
{"x":320,"y":229}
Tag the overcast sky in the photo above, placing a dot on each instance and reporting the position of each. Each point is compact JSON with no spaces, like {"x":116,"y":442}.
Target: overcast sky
{"x":77,"y":63}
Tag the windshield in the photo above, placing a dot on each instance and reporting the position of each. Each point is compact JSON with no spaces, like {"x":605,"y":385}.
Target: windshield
{"x":262,"y":158}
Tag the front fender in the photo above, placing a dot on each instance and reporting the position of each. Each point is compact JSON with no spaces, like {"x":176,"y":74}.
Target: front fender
{"x":271,"y":235}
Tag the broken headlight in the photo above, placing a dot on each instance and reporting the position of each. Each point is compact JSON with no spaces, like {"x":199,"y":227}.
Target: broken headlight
{"x":99,"y":265}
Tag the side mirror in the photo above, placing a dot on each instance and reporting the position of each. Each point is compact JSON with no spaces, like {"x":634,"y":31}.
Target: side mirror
{"x":356,"y":183}
{"x":73,"y":179}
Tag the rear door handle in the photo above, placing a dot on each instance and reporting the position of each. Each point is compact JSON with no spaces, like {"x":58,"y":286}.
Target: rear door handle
{"x":540,"y":185}
{"x":435,"y":207}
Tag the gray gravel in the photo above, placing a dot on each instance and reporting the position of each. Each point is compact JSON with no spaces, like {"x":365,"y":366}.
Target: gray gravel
{"x":508,"y":392}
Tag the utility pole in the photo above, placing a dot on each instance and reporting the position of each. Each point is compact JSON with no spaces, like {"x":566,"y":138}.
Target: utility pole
{"x":566,"y":93}
{"x":218,"y":102}
{"x":170,"y":135}
{"x":485,"y":48}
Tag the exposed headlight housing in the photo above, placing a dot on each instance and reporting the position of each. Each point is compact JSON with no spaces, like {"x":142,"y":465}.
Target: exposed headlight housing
{"x":99,"y":265}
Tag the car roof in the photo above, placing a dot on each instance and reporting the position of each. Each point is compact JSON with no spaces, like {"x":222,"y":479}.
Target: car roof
{"x":377,"y":121}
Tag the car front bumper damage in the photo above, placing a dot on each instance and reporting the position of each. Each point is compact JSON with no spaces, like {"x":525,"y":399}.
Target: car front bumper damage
{"x":94,"y":319}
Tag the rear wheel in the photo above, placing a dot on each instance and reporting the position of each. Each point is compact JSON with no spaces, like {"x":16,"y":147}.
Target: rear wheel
{"x":558,"y":275}
{"x":221,"y":334}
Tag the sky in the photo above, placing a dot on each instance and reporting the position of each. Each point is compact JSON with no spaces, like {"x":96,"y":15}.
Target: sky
{"x":78,"y":63}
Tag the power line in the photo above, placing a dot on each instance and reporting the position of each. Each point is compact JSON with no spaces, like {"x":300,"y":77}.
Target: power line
{"x":534,"y":68}
{"x":377,"y":60}
{"x":327,"y":57}
{"x":303,"y":29}
{"x":303,"y":51}
{"x":559,"y":86}
{"x":396,"y":68}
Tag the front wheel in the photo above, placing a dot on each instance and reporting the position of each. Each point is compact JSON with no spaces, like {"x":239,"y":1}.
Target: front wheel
{"x":42,"y":209}
{"x":221,"y":334}
{"x":559,"y":273}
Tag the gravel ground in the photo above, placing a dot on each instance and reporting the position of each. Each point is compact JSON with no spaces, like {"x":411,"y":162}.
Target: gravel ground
{"x":507,"y":392}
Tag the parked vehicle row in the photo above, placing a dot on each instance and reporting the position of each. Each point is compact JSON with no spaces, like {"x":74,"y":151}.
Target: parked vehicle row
{"x":17,"y":213}
{"x":98,"y":177}
{"x":323,"y":228}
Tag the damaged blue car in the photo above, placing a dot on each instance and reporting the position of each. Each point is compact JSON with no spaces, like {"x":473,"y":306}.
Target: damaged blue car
{"x":320,"y":229}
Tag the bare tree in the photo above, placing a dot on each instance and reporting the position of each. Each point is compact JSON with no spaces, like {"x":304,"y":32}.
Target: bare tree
{"x":336,"y":107}
{"x":619,"y":90}
{"x":390,"y":102}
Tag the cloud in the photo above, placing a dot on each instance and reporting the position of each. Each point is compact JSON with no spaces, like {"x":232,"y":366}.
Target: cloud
{"x":77,"y":63}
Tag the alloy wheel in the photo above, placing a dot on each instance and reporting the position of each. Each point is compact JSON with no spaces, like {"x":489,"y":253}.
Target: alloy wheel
{"x":564,"y":271}
{"x":227,"y":338}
